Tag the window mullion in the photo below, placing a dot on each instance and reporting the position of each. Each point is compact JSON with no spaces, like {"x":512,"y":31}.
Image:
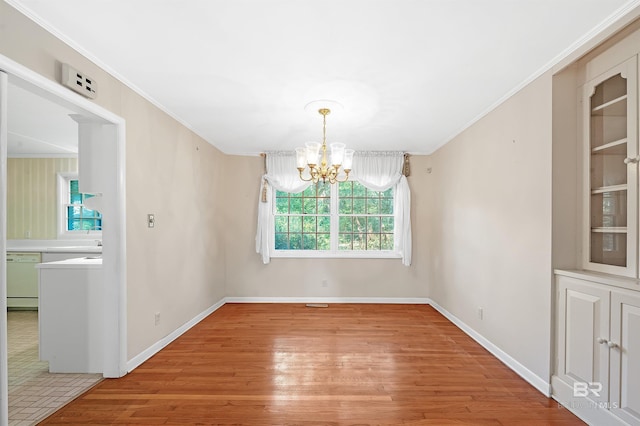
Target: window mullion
{"x":334,"y":218}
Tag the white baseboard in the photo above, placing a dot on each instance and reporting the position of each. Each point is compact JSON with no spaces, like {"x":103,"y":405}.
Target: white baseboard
{"x":160,"y":344}
{"x":533,"y":379}
{"x":381,"y":300}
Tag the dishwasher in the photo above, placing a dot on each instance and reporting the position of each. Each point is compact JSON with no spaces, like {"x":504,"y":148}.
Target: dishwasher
{"x":22,"y":281}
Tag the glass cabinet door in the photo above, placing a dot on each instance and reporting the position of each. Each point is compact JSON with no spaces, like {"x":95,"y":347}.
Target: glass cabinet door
{"x":612,"y":171}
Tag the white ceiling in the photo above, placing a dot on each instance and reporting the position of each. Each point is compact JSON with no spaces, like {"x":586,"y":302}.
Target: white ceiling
{"x":410,"y":74}
{"x":38,"y":127}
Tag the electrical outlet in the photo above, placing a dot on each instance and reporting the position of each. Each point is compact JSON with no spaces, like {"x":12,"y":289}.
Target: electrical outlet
{"x":27,"y":234}
{"x":480,"y":313}
{"x":157,"y":318}
{"x":325,"y":283}
{"x":151,"y":220}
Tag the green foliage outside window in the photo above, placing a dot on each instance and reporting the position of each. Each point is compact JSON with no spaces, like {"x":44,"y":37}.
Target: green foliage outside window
{"x":365,"y":218}
{"x":303,"y":219}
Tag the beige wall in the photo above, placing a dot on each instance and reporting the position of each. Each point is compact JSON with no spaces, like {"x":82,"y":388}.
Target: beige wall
{"x":247,"y":276}
{"x":490,"y":232}
{"x":32,"y":204}
{"x":177,"y":268}
{"x":566,"y":170}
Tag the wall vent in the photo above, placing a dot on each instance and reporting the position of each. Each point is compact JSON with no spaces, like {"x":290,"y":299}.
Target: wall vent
{"x":78,"y":82}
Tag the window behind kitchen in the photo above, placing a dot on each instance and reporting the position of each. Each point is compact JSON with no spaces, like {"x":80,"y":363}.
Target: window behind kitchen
{"x":75,"y":218}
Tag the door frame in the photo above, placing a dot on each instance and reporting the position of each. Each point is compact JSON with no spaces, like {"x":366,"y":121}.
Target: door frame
{"x":114,"y":235}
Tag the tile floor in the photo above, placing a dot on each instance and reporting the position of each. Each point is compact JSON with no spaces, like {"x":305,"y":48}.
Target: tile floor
{"x":34,"y":393}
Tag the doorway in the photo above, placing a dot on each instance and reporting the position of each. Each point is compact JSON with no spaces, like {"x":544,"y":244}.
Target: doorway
{"x":112,"y":138}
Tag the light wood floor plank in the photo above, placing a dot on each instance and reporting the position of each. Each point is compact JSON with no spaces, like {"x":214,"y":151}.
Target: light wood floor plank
{"x":259,"y":364}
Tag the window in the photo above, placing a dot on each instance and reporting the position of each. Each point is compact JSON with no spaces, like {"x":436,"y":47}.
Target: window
{"x":75,"y":219}
{"x":303,"y":220}
{"x":341,"y":220}
{"x":365,"y":218}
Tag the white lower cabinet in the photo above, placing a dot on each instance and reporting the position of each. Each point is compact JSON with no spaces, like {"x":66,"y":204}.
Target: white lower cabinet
{"x":597,"y":371}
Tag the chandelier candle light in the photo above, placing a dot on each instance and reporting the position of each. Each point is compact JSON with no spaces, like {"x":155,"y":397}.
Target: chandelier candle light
{"x":317,"y":162}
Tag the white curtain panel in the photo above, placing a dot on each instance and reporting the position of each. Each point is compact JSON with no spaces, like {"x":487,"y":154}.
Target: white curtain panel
{"x":380,"y":171}
{"x":377,"y":171}
{"x":282,"y":175}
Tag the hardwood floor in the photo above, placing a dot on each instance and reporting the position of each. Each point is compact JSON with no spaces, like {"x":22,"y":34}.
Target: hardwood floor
{"x":259,"y":364}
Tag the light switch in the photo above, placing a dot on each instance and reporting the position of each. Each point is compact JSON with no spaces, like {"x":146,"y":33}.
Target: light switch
{"x":151,"y":220}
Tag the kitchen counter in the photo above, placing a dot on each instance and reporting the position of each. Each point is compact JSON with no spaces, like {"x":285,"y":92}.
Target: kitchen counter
{"x":54,"y":246}
{"x":45,"y":249}
{"x":23,"y":255}
{"x":76,"y":263}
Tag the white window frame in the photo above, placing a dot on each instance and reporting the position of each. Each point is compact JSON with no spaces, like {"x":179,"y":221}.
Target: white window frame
{"x":333,"y":252}
{"x":62,"y":201}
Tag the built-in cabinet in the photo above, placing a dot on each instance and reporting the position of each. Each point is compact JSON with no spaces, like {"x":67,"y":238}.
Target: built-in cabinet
{"x":611,"y":172}
{"x":597,"y":305}
{"x":597,"y":368}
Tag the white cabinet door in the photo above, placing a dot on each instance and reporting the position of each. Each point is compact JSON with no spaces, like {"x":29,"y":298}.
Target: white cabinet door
{"x":583,"y":330}
{"x":625,"y":356}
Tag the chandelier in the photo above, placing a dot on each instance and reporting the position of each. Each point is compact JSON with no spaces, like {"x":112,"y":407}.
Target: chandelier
{"x":319,"y":169}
